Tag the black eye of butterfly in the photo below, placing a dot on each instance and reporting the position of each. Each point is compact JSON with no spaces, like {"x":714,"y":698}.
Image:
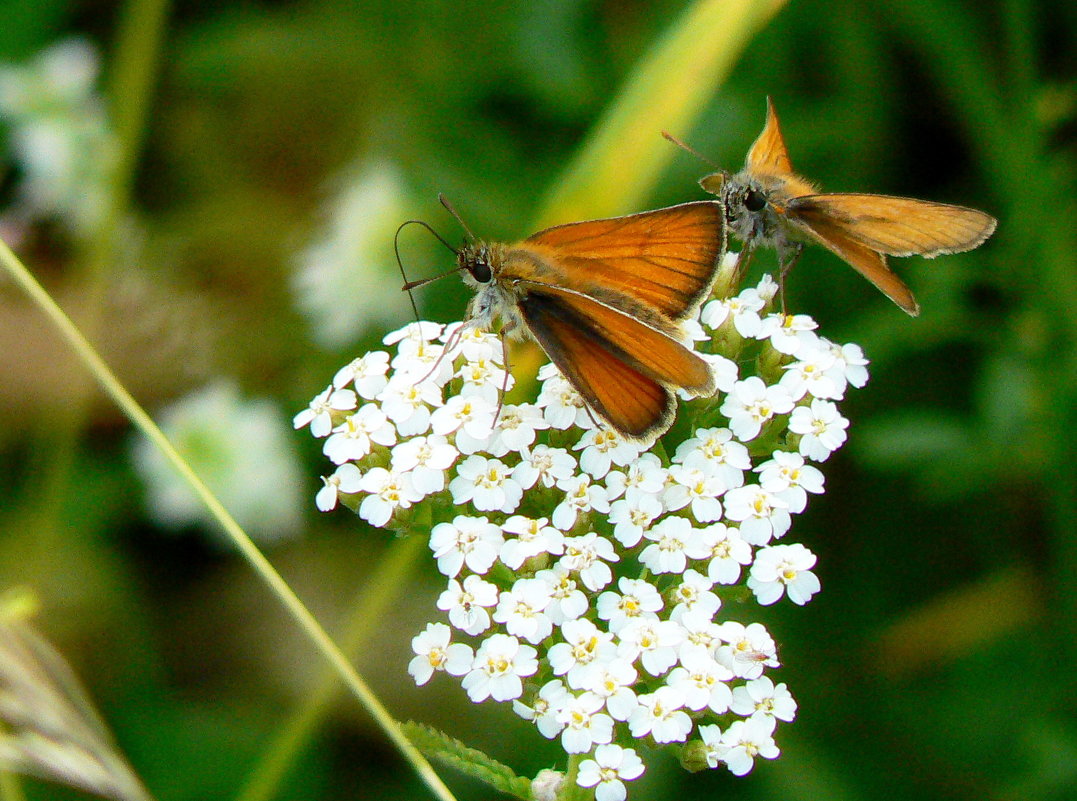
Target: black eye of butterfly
{"x":480,"y":271}
{"x":754,"y":200}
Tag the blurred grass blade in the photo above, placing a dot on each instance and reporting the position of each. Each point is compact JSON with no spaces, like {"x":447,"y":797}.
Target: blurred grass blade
{"x":625,"y":153}
{"x":303,"y":617}
{"x":48,"y":727}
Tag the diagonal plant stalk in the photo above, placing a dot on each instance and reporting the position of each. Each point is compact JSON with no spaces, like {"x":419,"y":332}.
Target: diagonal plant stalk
{"x":306,"y":621}
{"x":371,"y":604}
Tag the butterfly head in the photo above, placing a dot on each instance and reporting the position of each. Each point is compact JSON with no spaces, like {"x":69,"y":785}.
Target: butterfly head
{"x":479,"y":262}
{"x":750,"y":213}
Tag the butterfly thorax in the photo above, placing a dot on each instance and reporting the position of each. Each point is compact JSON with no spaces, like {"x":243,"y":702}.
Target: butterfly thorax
{"x":481,"y":264}
{"x":755,"y":207}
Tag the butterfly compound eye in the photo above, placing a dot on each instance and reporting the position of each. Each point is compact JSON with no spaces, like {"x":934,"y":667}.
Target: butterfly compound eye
{"x":480,"y":271}
{"x":754,"y":200}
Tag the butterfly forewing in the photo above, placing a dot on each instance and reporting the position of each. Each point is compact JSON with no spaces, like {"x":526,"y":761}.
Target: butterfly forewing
{"x":631,"y":402}
{"x":866,"y":260}
{"x":662,"y":261}
{"x":896,"y":226}
{"x":768,"y":153}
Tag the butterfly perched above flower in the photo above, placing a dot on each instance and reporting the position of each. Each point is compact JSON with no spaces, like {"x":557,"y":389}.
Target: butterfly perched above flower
{"x":768,"y":204}
{"x":607,"y":301}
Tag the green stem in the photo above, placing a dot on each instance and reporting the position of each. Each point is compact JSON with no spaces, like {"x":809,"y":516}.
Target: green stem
{"x":371,"y":605}
{"x":107,"y":380}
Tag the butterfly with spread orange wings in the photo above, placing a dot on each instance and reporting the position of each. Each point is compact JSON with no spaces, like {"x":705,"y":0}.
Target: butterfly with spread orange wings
{"x":768,"y":204}
{"x":607,"y":300}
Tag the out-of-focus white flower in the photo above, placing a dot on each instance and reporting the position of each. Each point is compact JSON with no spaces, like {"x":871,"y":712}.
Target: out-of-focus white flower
{"x":346,"y":280}
{"x":59,"y":135}
{"x":241,"y":449}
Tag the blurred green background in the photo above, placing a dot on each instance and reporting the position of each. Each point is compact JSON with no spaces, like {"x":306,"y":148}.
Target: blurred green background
{"x":279,"y":146}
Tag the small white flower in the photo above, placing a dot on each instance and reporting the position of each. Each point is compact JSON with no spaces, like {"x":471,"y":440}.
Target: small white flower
{"x":811,"y":373}
{"x":850,"y":367}
{"x":473,"y":541}
{"x":467,"y":604}
{"x":661,"y":715}
{"x":561,"y":405}
{"x":520,"y":610}
{"x":366,"y":374}
{"x":700,"y":633}
{"x":653,"y":642}
{"x":607,"y":772}
{"x":701,"y":489}
{"x":790,"y":479}
{"x":603,"y":448}
{"x":580,"y":496}
{"x":567,"y":601}
{"x":821,"y":428}
{"x":783,"y":569}
{"x":702,"y":682}
{"x":762,"y":515}
{"x":533,"y":537}
{"x":407,"y":403}
{"x":632,"y":515}
{"x":763,"y":697}
{"x":613,"y":680}
{"x":545,"y":709}
{"x":319,"y":414}
{"x":347,"y":479}
{"x":388,"y":492}
{"x":584,"y":644}
{"x":743,"y":310}
{"x":472,"y":417}
{"x":694,"y":593}
{"x":715,"y":451}
{"x":354,"y":438}
{"x":645,"y":474}
{"x":728,"y":552}
{"x":413,"y":336}
{"x":744,"y":740}
{"x":515,"y":429}
{"x":484,"y":378}
{"x":748,"y":649}
{"x":425,"y":459}
{"x":587,"y":556}
{"x":670,"y":540}
{"x":637,"y":599}
{"x":585,"y":723}
{"x":500,"y":664}
{"x":434,"y":652}
{"x":544,"y":465}
{"x":487,"y":484}
{"x":474,"y":343}
{"x":788,"y":333}
{"x":752,"y":403}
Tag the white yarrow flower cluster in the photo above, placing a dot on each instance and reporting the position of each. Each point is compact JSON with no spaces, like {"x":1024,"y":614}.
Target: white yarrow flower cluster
{"x":587,"y":576}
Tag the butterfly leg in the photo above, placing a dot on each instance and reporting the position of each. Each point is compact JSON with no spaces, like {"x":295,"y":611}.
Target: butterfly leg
{"x":795,"y":249}
{"x":742,"y":264}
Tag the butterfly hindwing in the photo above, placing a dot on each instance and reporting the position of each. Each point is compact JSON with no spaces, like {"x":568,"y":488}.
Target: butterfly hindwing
{"x":618,"y":391}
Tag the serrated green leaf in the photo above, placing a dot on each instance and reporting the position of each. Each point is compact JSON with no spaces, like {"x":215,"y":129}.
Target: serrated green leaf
{"x":450,"y":751}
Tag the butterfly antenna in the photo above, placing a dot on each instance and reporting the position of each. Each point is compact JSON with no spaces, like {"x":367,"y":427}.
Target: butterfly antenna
{"x":689,"y":149}
{"x":410,"y":285}
{"x":444,"y":202}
